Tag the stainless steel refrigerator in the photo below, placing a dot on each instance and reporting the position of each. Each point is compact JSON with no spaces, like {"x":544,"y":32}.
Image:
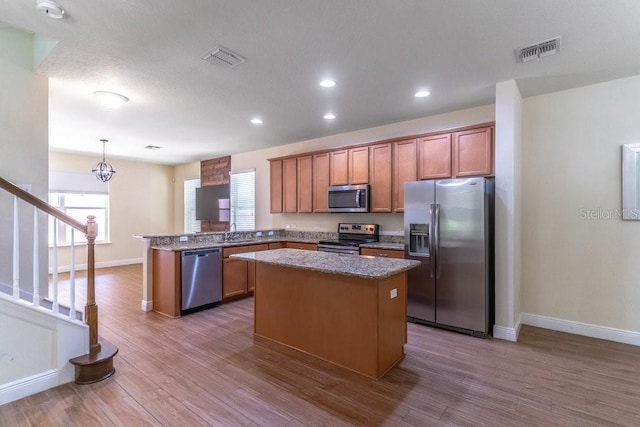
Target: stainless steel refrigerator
{"x":448,"y":225}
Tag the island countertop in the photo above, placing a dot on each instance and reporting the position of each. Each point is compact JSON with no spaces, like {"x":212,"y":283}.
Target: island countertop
{"x":366,"y":267}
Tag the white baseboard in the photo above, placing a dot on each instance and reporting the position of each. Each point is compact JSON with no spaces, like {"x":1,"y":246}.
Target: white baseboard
{"x":579,"y":328}
{"x":146,"y":305}
{"x":104,"y":264}
{"x":506,"y":333}
{"x":27,"y":386}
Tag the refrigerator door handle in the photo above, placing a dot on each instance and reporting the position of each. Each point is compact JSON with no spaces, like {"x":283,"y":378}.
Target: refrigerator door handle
{"x":437,"y":239}
{"x":432,"y":246}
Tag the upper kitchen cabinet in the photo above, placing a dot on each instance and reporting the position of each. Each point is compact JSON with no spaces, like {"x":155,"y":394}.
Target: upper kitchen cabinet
{"x":473,"y":152}
{"x":320,"y":182}
{"x":434,"y":157}
{"x":380,"y":177}
{"x":305,"y":184}
{"x":349,"y":166}
{"x":404,"y":170}
{"x":275,"y":184}
{"x":290,"y":185}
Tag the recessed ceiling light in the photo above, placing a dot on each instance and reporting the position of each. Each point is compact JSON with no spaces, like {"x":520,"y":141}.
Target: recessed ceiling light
{"x":422,"y":94}
{"x":327,"y":83}
{"x":256,"y":121}
{"x":329,"y":116}
{"x":111,"y":100}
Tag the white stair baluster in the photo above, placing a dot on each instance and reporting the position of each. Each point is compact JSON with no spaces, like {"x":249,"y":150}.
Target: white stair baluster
{"x":72,"y":277}
{"x":55,"y":307}
{"x":16,"y":249}
{"x":36,"y":260}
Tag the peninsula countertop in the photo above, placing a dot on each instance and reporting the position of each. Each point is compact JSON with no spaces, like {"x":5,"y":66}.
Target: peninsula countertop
{"x":366,"y":267}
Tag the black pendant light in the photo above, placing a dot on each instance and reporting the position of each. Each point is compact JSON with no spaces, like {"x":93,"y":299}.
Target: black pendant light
{"x":103,"y":170}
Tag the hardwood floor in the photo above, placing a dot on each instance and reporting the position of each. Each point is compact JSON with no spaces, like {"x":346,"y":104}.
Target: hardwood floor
{"x":207,"y":369}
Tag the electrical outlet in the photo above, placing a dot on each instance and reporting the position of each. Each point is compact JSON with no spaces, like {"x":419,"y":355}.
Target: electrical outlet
{"x":258,"y":233}
{"x":393,"y":293}
{"x":270,"y":233}
{"x":287,"y":226}
{"x":293,"y":226}
{"x":184,"y":239}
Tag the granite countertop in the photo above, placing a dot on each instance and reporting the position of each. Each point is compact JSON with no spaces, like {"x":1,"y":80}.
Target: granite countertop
{"x":326,"y":262}
{"x":182,"y":246}
{"x":384,"y":245}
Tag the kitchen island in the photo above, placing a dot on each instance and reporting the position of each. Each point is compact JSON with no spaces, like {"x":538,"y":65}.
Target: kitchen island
{"x":346,"y":309}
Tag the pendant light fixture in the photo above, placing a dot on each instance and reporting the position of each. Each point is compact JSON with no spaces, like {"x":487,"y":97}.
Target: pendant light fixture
{"x":103,"y":170}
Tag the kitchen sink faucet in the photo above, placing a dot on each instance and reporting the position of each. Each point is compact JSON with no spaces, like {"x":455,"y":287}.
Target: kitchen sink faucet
{"x":230,"y":235}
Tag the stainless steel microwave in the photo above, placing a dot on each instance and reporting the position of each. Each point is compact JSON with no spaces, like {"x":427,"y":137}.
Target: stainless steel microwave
{"x":349,"y":198}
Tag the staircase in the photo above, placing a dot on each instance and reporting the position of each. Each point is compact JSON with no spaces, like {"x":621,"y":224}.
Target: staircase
{"x":44,"y":340}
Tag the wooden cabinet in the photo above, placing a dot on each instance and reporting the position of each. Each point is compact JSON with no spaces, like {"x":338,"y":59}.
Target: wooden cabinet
{"x":380,"y":177}
{"x":359,"y":165}
{"x":167,"y":281}
{"x":404,"y":170}
{"x":385,"y":253}
{"x":339,"y":167}
{"x":349,"y":166}
{"x":434,"y":157}
{"x":305,"y":184}
{"x":290,"y":185}
{"x":320,"y":182}
{"x":301,"y":245}
{"x":275,"y":185}
{"x":276,"y":245}
{"x":473,"y":152}
{"x":238,"y":276}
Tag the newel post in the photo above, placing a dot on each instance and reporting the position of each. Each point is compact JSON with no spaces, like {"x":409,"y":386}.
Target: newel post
{"x":91,"y":309}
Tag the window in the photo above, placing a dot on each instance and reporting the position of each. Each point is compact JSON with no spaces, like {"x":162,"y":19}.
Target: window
{"x":243,"y":199}
{"x":79,"y":206}
{"x":78,"y":195}
{"x":191,"y":224}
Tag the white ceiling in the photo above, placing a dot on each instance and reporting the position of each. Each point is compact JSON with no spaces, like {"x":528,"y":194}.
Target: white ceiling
{"x":379,"y":52}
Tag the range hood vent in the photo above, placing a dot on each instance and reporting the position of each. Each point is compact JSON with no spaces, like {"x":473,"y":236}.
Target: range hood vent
{"x":223,"y":58}
{"x":538,"y":50}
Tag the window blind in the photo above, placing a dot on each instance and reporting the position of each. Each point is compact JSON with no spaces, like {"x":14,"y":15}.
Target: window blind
{"x":191,"y":224}
{"x":243,"y":199}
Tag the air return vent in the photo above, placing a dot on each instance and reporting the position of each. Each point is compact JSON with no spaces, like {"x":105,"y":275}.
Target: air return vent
{"x":538,"y":50}
{"x":223,"y":58}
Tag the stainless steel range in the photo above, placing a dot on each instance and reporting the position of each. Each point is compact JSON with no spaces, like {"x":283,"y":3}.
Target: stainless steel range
{"x":350,"y":237}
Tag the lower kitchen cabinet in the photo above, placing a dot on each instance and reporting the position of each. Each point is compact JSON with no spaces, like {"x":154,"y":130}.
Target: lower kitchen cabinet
{"x":301,"y":245}
{"x":238,"y":277}
{"x":385,"y":253}
{"x":167,"y":276}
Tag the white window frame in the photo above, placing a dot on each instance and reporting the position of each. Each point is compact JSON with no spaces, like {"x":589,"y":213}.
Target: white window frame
{"x":190,"y":223}
{"x":243,"y":199}
{"x":64,"y":230}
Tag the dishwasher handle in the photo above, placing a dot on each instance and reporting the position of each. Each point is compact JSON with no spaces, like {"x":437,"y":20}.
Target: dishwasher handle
{"x":201,"y":252}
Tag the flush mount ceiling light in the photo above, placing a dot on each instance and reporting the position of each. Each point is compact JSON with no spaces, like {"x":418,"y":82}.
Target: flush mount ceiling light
{"x":103,"y":170}
{"x":327,"y":83}
{"x":51,"y":9}
{"x":256,"y":121}
{"x":329,"y":116}
{"x":111,"y":100}
{"x":421,"y":94}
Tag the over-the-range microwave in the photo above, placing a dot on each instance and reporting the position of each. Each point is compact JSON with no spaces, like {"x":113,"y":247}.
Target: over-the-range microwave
{"x":349,"y":198}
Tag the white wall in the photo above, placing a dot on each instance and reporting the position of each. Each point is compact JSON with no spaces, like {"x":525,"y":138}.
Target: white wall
{"x":574,"y":268}
{"x":140,"y":199}
{"x":23,"y":150}
{"x":390,"y":223}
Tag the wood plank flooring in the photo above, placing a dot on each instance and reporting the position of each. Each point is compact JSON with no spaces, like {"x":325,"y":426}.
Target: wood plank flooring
{"x":208,"y":369}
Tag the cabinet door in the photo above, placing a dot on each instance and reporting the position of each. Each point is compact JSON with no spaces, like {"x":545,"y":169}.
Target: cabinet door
{"x":251,"y":277}
{"x":302,"y":245}
{"x":359,"y":165}
{"x":434,"y":157}
{"x":167,"y":282}
{"x":404,"y":170}
{"x":339,"y":167}
{"x":305,"y":184}
{"x":320,"y":182}
{"x":384,"y":253}
{"x":275,"y":185}
{"x":380,"y":177}
{"x":290,"y":185}
{"x":234,"y":278}
{"x":473,"y":152}
{"x":276,"y":245}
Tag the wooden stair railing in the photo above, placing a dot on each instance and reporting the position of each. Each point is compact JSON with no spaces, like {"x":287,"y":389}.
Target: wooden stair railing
{"x":98,"y":363}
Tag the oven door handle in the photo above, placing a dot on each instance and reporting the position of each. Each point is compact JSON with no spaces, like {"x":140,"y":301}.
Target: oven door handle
{"x":335,"y":250}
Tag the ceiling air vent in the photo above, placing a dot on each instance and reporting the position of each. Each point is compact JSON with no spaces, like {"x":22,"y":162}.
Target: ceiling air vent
{"x":223,"y":58}
{"x":538,"y":50}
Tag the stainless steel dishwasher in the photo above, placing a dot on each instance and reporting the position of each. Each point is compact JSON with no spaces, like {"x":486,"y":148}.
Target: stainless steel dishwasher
{"x":201,"y":279}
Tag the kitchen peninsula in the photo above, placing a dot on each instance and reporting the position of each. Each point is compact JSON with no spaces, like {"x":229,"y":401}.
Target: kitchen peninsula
{"x":345,"y":309}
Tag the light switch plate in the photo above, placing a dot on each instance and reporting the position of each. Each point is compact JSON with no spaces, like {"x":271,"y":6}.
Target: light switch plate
{"x":270,"y":233}
{"x":258,"y":233}
{"x":393,"y":293}
{"x":184,"y":239}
